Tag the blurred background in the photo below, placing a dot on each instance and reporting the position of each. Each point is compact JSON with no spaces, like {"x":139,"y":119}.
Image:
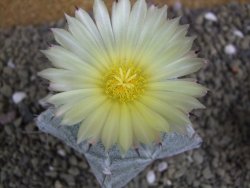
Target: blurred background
{"x":26,"y":12}
{"x":31,"y":159}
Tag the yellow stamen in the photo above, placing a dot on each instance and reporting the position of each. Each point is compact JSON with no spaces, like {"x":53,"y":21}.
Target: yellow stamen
{"x":124,"y":82}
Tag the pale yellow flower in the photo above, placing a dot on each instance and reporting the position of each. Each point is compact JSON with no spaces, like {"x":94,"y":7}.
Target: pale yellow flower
{"x":117,"y":76}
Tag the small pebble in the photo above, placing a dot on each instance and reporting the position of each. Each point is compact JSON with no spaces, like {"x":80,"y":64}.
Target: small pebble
{"x":230,"y":49}
{"x":11,"y":64}
{"x":58,"y":184}
{"x":198,"y":158}
{"x":167,"y":182}
{"x":162,"y":166}
{"x":61,"y":152}
{"x":6,"y":90}
{"x":51,"y":168}
{"x":238,"y":33}
{"x":207,"y":173}
{"x":211,"y":17}
{"x":151,"y":177}
{"x":74,"y":171}
{"x":73,"y":160}
{"x":17,"y":97}
{"x":69,"y":179}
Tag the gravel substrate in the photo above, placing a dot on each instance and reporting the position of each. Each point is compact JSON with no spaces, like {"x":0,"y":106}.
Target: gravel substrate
{"x":30,"y":159}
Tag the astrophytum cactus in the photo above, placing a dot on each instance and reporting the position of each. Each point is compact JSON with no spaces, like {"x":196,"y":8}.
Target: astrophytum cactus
{"x":120,"y":89}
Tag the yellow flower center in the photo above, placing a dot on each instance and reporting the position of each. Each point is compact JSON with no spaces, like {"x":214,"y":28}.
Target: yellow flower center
{"x":124,"y":82}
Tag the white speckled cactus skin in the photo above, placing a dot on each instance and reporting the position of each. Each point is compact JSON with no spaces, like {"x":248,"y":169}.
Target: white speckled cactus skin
{"x":110,"y":168}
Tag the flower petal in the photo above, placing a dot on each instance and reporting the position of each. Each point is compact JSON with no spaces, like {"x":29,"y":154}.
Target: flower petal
{"x":180,"y":86}
{"x":82,"y":109}
{"x":174,"y":51}
{"x":72,"y":79}
{"x":183,"y":102}
{"x":68,"y":96}
{"x":154,"y":119}
{"x":159,"y":40}
{"x":86,"y":41}
{"x":89,"y":25}
{"x":62,"y":58}
{"x":111,"y":128}
{"x":67,"y":100}
{"x":103,"y":23}
{"x":174,"y":116}
{"x":65,"y":39}
{"x":178,"y":68}
{"x":136,"y":22}
{"x":120,"y":18}
{"x":92,"y":126}
{"x":142,"y":131}
{"x":125,"y":139}
{"x":154,"y":19}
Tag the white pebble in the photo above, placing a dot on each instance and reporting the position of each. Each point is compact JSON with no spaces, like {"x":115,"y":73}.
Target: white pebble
{"x":17,"y":97}
{"x":168,"y":182}
{"x":211,"y":16}
{"x":162,"y":166}
{"x":151,"y":177}
{"x":238,"y":33}
{"x":230,"y":49}
{"x":11,"y":64}
{"x":51,"y":168}
{"x":61,"y":152}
